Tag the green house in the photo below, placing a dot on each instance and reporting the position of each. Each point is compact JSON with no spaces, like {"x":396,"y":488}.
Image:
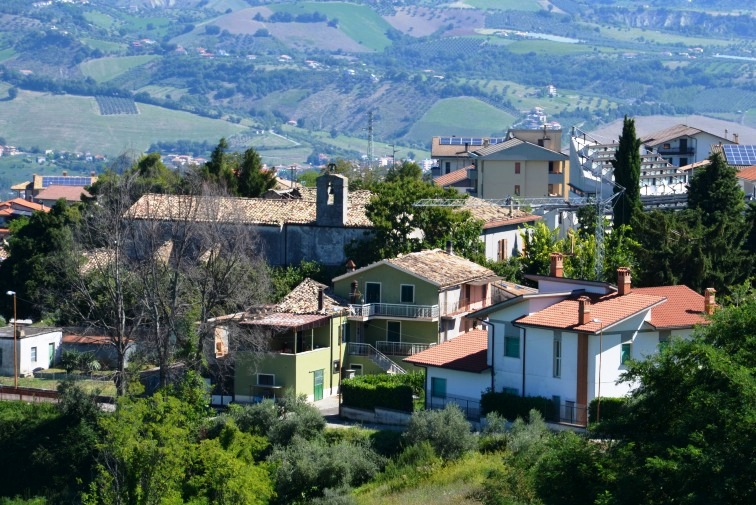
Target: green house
{"x":404,"y":305}
{"x":296,"y":346}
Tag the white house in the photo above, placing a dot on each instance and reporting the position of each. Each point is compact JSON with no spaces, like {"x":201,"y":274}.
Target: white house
{"x":572,"y":340}
{"x":35,"y":348}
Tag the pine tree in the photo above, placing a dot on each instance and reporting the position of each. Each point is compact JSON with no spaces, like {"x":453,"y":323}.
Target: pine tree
{"x":626,"y":165}
{"x":253,"y":180}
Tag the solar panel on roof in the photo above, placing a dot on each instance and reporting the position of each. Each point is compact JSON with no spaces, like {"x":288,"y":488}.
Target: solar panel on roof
{"x":470,"y":141}
{"x":52,"y":180}
{"x":737,"y":154}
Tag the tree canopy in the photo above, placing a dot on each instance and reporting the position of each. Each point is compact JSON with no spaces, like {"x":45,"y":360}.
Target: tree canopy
{"x":626,"y":165}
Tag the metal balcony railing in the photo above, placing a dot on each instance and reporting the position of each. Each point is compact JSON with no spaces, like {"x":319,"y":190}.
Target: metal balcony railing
{"x":401,"y":348}
{"x":376,"y":356}
{"x":394,"y":310}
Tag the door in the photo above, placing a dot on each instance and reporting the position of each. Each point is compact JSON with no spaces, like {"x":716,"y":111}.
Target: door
{"x":51,"y":354}
{"x":318,"y":389}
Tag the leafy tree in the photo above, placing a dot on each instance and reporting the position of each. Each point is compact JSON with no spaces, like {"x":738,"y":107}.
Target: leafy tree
{"x":626,"y":165}
{"x":447,"y":431}
{"x":253,"y":180}
{"x":219,"y":169}
{"x":400,"y":227}
{"x":688,"y":433}
{"x":407,"y":170}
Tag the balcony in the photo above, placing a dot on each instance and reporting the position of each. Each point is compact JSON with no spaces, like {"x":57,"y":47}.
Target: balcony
{"x":401,"y":348}
{"x":676,"y":151}
{"x":400,"y":310}
{"x":462,"y":306}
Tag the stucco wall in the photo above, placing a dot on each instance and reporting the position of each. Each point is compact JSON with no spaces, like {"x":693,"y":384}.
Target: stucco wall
{"x":290,"y":244}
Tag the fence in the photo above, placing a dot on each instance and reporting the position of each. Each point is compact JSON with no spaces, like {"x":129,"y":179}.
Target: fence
{"x":401,"y":348}
{"x":395,"y":310}
{"x":470,"y":407}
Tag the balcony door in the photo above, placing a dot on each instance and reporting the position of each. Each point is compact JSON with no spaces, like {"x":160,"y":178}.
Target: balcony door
{"x":372,"y":292}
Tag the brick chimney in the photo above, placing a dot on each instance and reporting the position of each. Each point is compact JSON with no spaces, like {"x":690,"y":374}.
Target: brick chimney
{"x":584,"y":310}
{"x":449,"y":247}
{"x":556,"y":269}
{"x":350,"y":266}
{"x":353,"y":292}
{"x":321,"y":300}
{"x":624,"y":284}
{"x":710,"y":304}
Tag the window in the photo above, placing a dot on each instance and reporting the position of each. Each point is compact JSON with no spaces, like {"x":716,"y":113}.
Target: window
{"x":503,"y":252}
{"x":557,"y":357}
{"x":34,"y":354}
{"x":683,"y":162}
{"x":551,"y":189}
{"x":666,"y":146}
{"x":393,"y":331}
{"x":372,"y":292}
{"x":552,"y":169}
{"x":438,"y":387}
{"x":448,"y":166}
{"x":266,"y":379}
{"x":1,"y":357}
{"x":663,"y":340}
{"x":626,"y":353}
{"x":357,"y":367}
{"x":517,"y":167}
{"x":512,"y":347}
{"x":511,"y":391}
{"x":517,"y":190}
{"x":540,"y":142}
{"x":407,"y":293}
{"x":344,"y":332}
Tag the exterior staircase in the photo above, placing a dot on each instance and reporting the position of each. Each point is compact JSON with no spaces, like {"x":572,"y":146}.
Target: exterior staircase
{"x":376,"y":356}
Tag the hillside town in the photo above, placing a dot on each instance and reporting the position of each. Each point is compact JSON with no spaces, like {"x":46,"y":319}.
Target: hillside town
{"x":512,"y":275}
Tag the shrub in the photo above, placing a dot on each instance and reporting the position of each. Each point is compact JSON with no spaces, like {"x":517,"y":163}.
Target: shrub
{"x":611,"y":408}
{"x":494,"y":434}
{"x":513,"y":406}
{"x":387,"y":391}
{"x":446,"y":430}
{"x":413,"y":465}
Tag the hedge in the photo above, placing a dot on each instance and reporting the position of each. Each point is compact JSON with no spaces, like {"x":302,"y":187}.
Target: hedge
{"x":611,"y":408}
{"x":514,"y":406}
{"x":385,"y":391}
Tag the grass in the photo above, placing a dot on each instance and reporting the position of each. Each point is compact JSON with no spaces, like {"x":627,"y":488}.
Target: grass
{"x":103,"y":388}
{"x":455,"y":483}
{"x":651,"y":36}
{"x":164,"y":91}
{"x":105,"y":69}
{"x":7,"y":53}
{"x":105,"y":46}
{"x":547,"y":47}
{"x":506,"y":5}
{"x":359,"y":22}
{"x":471,"y":118}
{"x":99,"y":19}
{"x":78,"y":126}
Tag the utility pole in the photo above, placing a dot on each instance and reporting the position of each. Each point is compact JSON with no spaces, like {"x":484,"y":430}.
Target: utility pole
{"x":370,"y":141}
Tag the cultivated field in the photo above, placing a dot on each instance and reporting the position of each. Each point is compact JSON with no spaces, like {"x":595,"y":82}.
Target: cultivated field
{"x":472,"y":117}
{"x":78,"y":126}
{"x":105,"y":69}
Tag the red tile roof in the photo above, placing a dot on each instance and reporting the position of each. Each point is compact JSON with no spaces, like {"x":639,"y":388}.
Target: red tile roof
{"x":289,"y":321}
{"x":87,"y":339}
{"x":20,"y":202}
{"x":748,"y":173}
{"x":466,"y":353}
{"x":606,"y":309}
{"x":451,"y":177}
{"x":683,"y":308}
{"x":69,"y":193}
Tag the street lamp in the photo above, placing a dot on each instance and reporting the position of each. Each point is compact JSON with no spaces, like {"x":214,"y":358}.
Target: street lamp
{"x":601,"y":351}
{"x":15,"y":336}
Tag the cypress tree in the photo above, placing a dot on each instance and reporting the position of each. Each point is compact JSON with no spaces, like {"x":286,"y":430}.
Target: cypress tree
{"x":626,"y":165}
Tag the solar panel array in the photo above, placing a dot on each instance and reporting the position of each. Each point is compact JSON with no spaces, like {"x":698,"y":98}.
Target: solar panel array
{"x":470,"y":141}
{"x":65,"y":181}
{"x":737,"y":154}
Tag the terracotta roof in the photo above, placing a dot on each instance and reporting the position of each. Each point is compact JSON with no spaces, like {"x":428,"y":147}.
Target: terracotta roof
{"x":441,"y":268}
{"x":303,"y":299}
{"x":748,"y":173}
{"x":87,"y":339}
{"x":606,"y":309}
{"x":467,"y":353}
{"x":246,"y":210}
{"x":683,"y":308}
{"x":672,"y":133}
{"x":452,"y":177}
{"x":289,"y":321}
{"x":692,"y":166}
{"x":70,"y":193}
{"x":502,"y":146}
{"x":20,"y":202}
{"x":494,"y":215}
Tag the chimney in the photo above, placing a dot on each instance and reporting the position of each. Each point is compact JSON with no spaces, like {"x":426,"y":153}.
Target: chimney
{"x":736,"y":138}
{"x":556,"y":269}
{"x":353,"y":292}
{"x":624,"y":283}
{"x":321,"y":300}
{"x":65,"y":173}
{"x":584,"y":310}
{"x":449,"y":248}
{"x":350,"y":266}
{"x":709,"y":304}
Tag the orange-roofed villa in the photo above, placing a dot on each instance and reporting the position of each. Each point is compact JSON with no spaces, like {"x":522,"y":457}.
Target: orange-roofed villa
{"x":569,"y":341}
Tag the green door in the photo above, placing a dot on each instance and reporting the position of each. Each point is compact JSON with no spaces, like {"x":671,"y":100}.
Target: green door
{"x":318,"y":384}
{"x":51,"y":353}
